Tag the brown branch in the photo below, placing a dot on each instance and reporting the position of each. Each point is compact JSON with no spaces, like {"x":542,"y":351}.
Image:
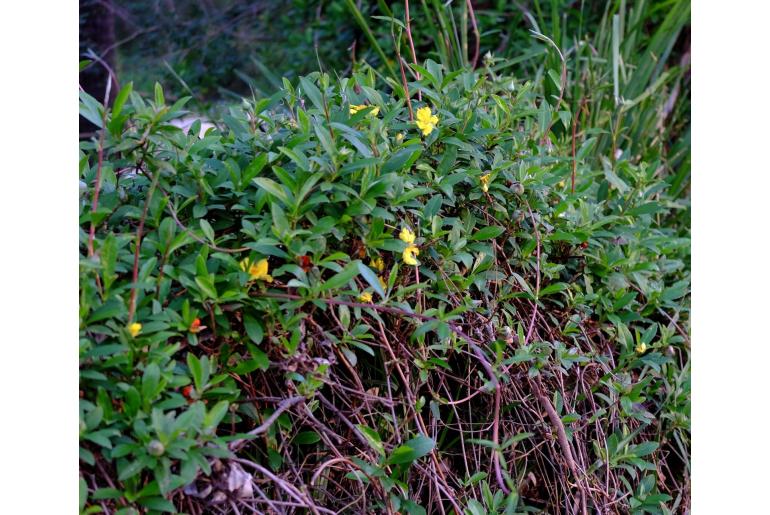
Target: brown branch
{"x":403,"y":76}
{"x":100,"y":153}
{"x":138,"y":246}
{"x":561,"y":435}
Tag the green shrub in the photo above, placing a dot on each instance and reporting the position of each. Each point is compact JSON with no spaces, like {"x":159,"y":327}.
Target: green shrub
{"x":527,"y":297}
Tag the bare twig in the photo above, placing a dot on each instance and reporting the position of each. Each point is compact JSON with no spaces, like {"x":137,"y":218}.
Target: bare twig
{"x":264,"y":426}
{"x":411,"y":46}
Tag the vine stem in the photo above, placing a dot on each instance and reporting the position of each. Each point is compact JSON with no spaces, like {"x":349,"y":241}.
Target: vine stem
{"x":403,"y":75}
{"x":100,"y":154}
{"x":138,"y":246}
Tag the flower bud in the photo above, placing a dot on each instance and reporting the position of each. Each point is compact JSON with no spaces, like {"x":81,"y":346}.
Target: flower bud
{"x":155,"y":448}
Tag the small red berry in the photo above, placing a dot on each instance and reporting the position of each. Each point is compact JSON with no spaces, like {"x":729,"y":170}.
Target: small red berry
{"x":187,"y":391}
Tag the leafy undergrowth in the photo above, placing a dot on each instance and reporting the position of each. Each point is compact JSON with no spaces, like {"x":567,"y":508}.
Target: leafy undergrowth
{"x":325,"y":308}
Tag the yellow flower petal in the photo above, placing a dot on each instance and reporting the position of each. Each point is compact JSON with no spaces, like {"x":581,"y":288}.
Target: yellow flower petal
{"x":407,"y":236}
{"x":378,"y":264}
{"x":641,"y":348}
{"x":485,"y":182}
{"x":356,"y":108}
{"x":365,"y":297}
{"x":409,"y":255}
{"x":382,"y":283}
{"x":134,"y":329}
{"x":424,"y":114}
{"x":258,"y":271}
{"x":426,"y":121}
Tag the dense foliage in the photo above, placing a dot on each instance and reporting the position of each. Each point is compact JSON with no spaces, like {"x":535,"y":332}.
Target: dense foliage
{"x":465,"y":292}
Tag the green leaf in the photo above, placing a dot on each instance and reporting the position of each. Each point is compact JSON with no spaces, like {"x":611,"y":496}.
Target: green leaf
{"x":215,"y":415}
{"x":111,"y":308}
{"x":256,"y":166}
{"x":312,"y":92}
{"x":272,"y":187}
{"x":83,"y":493}
{"x":643,"y":449}
{"x":370,"y":277}
{"x":259,"y":361}
{"x":487,"y":233}
{"x":206,"y":285}
{"x":196,"y":370}
{"x":373,"y":437}
{"x":207,"y":230}
{"x":412,"y":450}
{"x":280,"y":223}
{"x":253,"y":329}
{"x":150,"y":382}
{"x":132,"y":469}
{"x":159,"y":98}
{"x":399,"y":160}
{"x":120,"y":99}
{"x":158,"y":504}
{"x":553,"y":288}
{"x":307,"y":438}
{"x":342,"y":278}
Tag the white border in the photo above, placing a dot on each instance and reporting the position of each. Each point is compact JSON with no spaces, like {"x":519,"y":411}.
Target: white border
{"x":731,"y":197}
{"x":39,"y":257}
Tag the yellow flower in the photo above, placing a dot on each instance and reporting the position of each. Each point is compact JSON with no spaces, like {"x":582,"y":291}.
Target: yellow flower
{"x":426,"y":121}
{"x":378,"y":264}
{"x":409,"y":254}
{"x":399,"y":137}
{"x":382,"y":283}
{"x":134,"y":329}
{"x":406,"y":235}
{"x":485,"y":182}
{"x":641,"y":348}
{"x":365,"y":297}
{"x":354,"y":109}
{"x":257,"y":270}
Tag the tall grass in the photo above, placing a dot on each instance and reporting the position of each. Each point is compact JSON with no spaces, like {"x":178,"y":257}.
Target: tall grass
{"x":627,"y":68}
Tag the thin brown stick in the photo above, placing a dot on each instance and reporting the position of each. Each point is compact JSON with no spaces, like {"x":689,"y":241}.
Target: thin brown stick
{"x":407,"y":95}
{"x":138,"y":247}
{"x":264,"y":426}
{"x":411,"y":44}
{"x":561,"y":435}
{"x":100,"y":154}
